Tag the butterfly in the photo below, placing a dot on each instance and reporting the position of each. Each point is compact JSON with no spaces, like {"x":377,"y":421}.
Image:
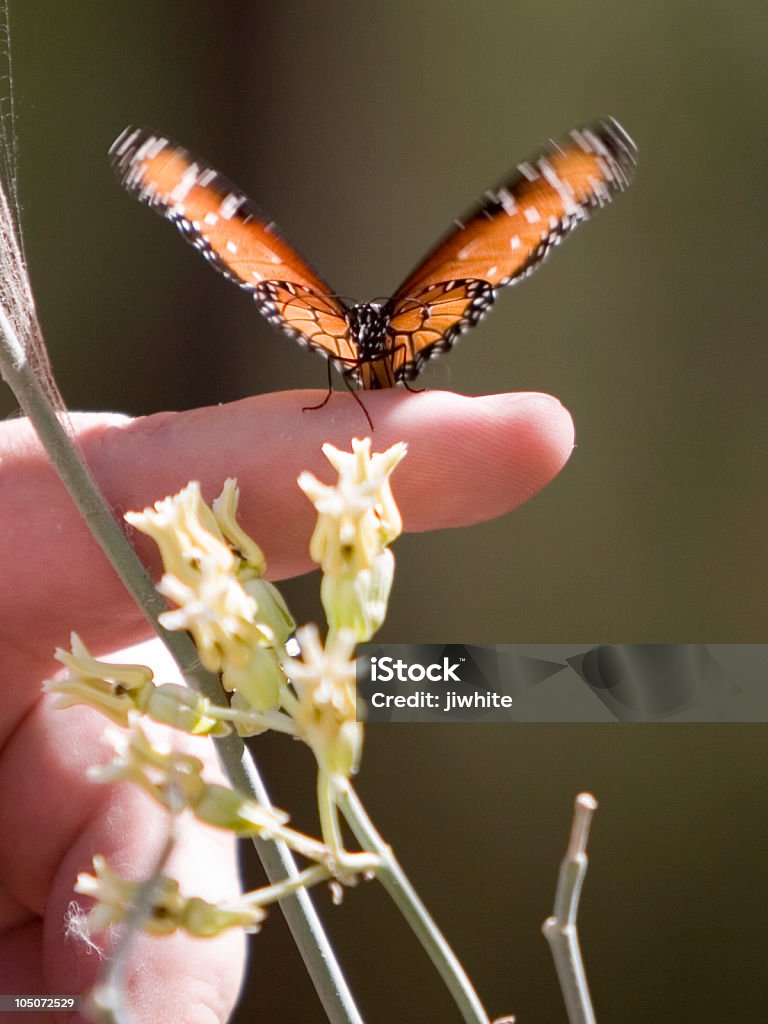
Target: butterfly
{"x":376,"y":344}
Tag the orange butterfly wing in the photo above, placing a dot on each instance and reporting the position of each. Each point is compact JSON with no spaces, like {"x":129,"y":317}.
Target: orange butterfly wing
{"x":236,"y":238}
{"x":505,"y":238}
{"x":429,"y":323}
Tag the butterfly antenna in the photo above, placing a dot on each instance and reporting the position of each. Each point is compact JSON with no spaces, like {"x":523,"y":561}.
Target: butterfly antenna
{"x":424,"y":306}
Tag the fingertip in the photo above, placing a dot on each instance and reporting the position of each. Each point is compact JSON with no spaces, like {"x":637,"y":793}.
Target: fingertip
{"x":472,"y":459}
{"x":544,"y":422}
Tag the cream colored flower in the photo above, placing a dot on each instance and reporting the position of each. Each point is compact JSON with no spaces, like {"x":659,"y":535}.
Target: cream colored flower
{"x":361,"y":468}
{"x":169,"y":910}
{"x":223,"y":621}
{"x":171,"y":777}
{"x":119,"y":691}
{"x":115,"y":690}
{"x":324,"y":680}
{"x":357,"y":519}
{"x":185,"y":530}
{"x":225,"y":512}
{"x":272,"y":609}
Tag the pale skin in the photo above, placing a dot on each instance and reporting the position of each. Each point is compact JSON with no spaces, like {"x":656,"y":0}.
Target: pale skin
{"x":469,"y":460}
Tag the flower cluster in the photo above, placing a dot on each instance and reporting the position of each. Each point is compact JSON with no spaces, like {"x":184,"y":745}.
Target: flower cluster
{"x":214,"y":574}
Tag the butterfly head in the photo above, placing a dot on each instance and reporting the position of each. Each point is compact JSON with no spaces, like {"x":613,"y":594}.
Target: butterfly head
{"x":368,"y":323}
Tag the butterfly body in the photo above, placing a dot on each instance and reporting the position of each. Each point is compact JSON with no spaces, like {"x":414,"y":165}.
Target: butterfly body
{"x":368,"y":324}
{"x":377,"y":344}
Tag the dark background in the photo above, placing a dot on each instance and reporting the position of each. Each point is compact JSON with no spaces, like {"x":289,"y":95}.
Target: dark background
{"x":364,"y":129}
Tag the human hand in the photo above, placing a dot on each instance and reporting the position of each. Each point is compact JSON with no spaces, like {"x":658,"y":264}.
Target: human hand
{"x":470,"y":459}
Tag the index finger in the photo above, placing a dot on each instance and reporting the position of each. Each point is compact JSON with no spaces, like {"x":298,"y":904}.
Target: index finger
{"x":470,"y":459}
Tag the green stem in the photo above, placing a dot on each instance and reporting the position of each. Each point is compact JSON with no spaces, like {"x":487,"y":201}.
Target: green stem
{"x":329,"y":817}
{"x":299,"y":912}
{"x":394,"y":880}
{"x":287,"y":699}
{"x":275,"y":722}
{"x":272,"y":893}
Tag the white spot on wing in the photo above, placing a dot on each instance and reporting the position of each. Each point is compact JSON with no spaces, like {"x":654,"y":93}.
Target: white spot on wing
{"x":126,"y":143}
{"x":581,"y":140}
{"x":150,"y":147}
{"x":231,"y":247}
{"x":563,"y":188}
{"x":508,"y":201}
{"x":211,"y":218}
{"x":464,"y":253}
{"x":601,"y":190}
{"x":187,"y":182}
{"x":230,"y":205}
{"x":514,"y":242}
{"x":532,"y":215}
{"x":156,"y":146}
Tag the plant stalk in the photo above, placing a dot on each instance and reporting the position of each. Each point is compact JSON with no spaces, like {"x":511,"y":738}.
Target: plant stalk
{"x":394,"y":880}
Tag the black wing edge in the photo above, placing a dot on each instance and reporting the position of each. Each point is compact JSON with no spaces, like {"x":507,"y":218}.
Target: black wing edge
{"x":611,"y":141}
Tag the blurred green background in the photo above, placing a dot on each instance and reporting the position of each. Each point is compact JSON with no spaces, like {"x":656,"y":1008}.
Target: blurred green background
{"x":364,"y":129}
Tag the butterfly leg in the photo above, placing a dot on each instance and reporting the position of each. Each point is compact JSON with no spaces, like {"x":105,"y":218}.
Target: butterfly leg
{"x":311,"y":408}
{"x":414,"y":391}
{"x":345,"y":377}
{"x":359,"y":401}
